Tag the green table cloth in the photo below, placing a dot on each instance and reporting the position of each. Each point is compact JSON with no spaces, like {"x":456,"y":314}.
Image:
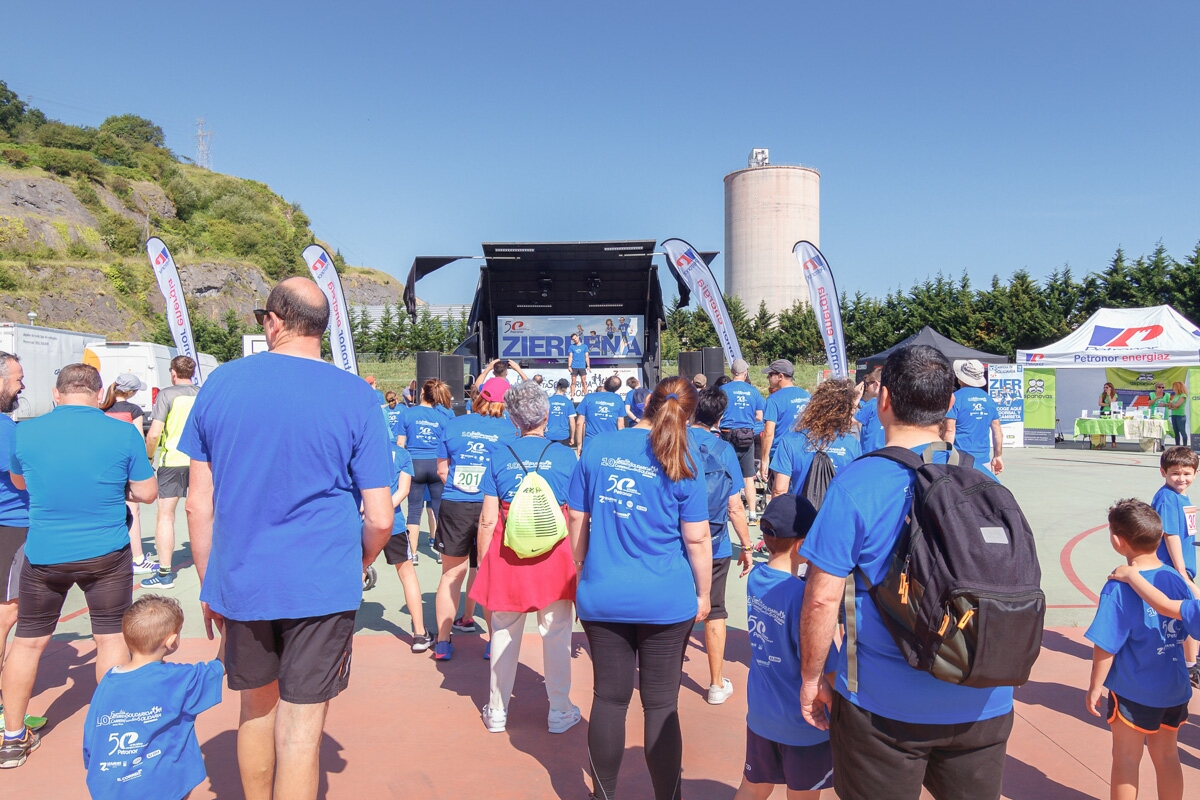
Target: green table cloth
{"x":1089,"y":426}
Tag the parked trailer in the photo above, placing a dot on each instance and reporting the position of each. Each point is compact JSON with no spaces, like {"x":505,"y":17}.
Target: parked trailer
{"x":150,"y":362}
{"x":43,"y":352}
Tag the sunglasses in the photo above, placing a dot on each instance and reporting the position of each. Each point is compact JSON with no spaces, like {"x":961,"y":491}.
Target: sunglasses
{"x":260,"y":314}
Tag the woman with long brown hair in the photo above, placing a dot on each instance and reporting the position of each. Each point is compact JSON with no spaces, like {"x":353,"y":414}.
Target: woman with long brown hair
{"x":1177,"y":408}
{"x":825,"y":426}
{"x":639,"y":531}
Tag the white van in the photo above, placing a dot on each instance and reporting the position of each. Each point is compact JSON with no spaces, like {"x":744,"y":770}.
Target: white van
{"x":150,"y":362}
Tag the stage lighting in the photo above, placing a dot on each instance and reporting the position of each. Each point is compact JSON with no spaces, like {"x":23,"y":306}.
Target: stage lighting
{"x":593,"y":285}
{"x":545,"y":285}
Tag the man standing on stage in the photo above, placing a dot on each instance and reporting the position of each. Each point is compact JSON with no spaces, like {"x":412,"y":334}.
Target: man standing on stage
{"x":580,"y":361}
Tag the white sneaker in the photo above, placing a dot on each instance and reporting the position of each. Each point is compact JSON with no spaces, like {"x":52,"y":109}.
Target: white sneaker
{"x":719,"y":694}
{"x":563,"y":721}
{"x":494,"y":720}
{"x":145,"y":566}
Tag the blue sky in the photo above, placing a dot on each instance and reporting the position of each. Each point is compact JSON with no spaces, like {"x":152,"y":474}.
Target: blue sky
{"x":949,"y":135}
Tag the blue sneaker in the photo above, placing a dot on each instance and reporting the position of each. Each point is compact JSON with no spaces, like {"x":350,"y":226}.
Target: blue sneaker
{"x":487,"y":652}
{"x":443,"y":651}
{"x":159,"y":581}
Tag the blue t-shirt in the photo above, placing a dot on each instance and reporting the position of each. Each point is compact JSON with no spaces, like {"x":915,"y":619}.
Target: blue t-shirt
{"x":562,"y":411}
{"x":629,"y":405}
{"x":468,"y":440}
{"x":557,"y":465}
{"x":782,"y":408}
{"x":14,"y":502}
{"x":744,"y":402}
{"x":424,"y":428}
{"x":601,"y":410}
{"x":858,"y":526}
{"x":578,"y":355}
{"x":721,"y":545}
{"x":394,"y":416}
{"x":76,"y":462}
{"x":794,"y":456}
{"x":287,"y":532}
{"x":871,"y":436}
{"x":1178,"y":519}
{"x":636,"y":569}
{"x":401,"y":465}
{"x":973,"y":412}
{"x":1148,"y":665}
{"x":1189,"y":613}
{"x":139,"y":735}
{"x":773,"y":602}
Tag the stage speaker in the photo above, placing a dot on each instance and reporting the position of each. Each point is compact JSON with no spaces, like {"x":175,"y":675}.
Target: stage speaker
{"x":714,"y":363}
{"x":427,"y":367}
{"x":691,"y":362}
{"x":451,"y":368}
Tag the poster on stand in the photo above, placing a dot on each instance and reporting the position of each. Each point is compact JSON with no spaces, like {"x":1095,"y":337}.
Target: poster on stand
{"x":1006,"y":385}
{"x":1040,"y":418}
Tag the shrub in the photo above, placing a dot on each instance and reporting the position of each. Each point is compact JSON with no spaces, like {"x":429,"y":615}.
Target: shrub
{"x":87,"y":194}
{"x":78,"y":249}
{"x":120,"y":186}
{"x":68,"y":162}
{"x":121,"y":234}
{"x":69,"y":137}
{"x":135,"y":130}
{"x":18,"y":158}
{"x":111,"y":149}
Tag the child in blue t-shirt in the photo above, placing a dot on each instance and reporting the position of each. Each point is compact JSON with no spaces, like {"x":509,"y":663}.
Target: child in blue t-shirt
{"x":1178,"y":547}
{"x":780,"y":746}
{"x":1138,"y":657}
{"x":139,"y":738}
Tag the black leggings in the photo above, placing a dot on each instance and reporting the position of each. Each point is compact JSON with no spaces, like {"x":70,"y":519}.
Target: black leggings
{"x":424,"y":474}
{"x":1179,"y":427}
{"x":659,"y":650}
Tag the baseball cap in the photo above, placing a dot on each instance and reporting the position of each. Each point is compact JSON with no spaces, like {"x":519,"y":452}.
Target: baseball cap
{"x":128,"y":382}
{"x":788,"y":516}
{"x":493,"y":390}
{"x":739,"y":366}
{"x":700,"y":381}
{"x":969,"y":372}
{"x":563,"y":383}
{"x":782,"y":366}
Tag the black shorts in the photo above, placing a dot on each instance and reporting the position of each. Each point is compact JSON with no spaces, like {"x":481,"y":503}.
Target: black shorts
{"x":800,"y":768}
{"x":716,"y":596}
{"x":309,"y":657}
{"x":581,"y":371}
{"x":1145,"y":719}
{"x":173,"y":481}
{"x":396,"y":551}
{"x":458,"y":528}
{"x":106,"y":581}
{"x":12,"y":540}
{"x":745,"y":455}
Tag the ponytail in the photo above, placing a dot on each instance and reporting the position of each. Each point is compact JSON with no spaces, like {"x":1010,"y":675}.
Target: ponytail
{"x":435,"y":393}
{"x":110,"y":397}
{"x":669,"y":410}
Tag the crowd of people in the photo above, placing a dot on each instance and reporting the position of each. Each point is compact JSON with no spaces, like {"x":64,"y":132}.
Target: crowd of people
{"x":617,"y":511}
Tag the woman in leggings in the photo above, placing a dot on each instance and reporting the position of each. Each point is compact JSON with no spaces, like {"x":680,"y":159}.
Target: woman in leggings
{"x":422,"y":429}
{"x":639,"y":531}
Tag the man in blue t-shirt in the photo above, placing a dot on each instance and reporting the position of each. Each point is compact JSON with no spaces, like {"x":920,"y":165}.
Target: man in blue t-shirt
{"x":600,"y":412}
{"x":870,"y":432}
{"x":741,"y":424}
{"x":14,"y":502}
{"x":562,"y":414}
{"x":974,"y":418}
{"x":76,"y":463}
{"x":274,"y":497}
{"x":782,"y":408}
{"x":579,"y":361}
{"x":898,"y":727}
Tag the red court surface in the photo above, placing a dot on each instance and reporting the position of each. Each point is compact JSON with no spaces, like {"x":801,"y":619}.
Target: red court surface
{"x":409,"y":727}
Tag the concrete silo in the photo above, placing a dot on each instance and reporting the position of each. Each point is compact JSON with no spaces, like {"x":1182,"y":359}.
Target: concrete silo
{"x":768,"y":208}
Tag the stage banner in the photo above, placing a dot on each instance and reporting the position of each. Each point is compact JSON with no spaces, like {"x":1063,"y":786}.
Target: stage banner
{"x":172,"y":291}
{"x":549,"y":337}
{"x":823,"y":297}
{"x":595,"y":377}
{"x":341,"y":341}
{"x":1006,"y":385}
{"x":1040,"y":417}
{"x":1193,"y":384}
{"x":695,"y":272}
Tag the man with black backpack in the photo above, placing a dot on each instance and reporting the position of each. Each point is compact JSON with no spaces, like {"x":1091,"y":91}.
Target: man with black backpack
{"x":944,"y":615}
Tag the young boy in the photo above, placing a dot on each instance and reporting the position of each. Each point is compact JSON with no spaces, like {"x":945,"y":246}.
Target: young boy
{"x":1138,"y":657}
{"x":1178,"y":468}
{"x":780,"y":746}
{"x":139,"y":737}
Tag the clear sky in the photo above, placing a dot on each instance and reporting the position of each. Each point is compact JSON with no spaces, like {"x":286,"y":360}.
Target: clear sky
{"x":949,"y":135}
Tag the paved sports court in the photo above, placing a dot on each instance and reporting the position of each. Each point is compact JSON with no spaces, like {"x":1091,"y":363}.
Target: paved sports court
{"x":409,"y":727}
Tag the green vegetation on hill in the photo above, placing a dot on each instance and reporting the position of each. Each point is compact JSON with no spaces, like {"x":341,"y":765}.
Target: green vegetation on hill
{"x":214,"y":215}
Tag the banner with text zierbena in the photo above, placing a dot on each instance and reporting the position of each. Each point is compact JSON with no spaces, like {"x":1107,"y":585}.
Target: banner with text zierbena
{"x":548,"y":337}
{"x":1006,"y":385}
{"x":1040,"y":416}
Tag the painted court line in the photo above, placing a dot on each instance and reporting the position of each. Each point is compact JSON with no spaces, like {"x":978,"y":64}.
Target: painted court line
{"x":1064,"y":561}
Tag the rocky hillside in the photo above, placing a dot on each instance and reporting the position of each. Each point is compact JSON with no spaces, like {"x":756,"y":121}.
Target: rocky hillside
{"x":76,"y":205}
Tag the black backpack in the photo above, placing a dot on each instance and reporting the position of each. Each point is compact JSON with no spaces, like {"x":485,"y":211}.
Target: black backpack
{"x":962,"y":597}
{"x":816,"y":482}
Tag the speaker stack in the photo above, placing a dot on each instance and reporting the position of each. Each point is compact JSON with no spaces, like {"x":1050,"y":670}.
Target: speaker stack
{"x":691,"y":363}
{"x":714,"y":363}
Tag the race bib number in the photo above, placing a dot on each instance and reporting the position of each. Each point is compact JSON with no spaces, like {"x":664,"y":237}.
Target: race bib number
{"x":468,"y":479}
{"x":1189,"y":513}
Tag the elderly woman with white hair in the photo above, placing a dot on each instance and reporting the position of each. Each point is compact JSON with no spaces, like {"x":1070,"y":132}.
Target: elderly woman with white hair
{"x":512,"y":586}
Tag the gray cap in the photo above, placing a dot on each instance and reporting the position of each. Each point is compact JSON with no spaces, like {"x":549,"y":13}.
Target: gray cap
{"x":782,"y":366}
{"x":739,"y":366}
{"x":128,"y":382}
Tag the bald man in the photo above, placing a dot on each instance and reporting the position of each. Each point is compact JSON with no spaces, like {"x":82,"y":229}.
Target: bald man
{"x":257,"y":529}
